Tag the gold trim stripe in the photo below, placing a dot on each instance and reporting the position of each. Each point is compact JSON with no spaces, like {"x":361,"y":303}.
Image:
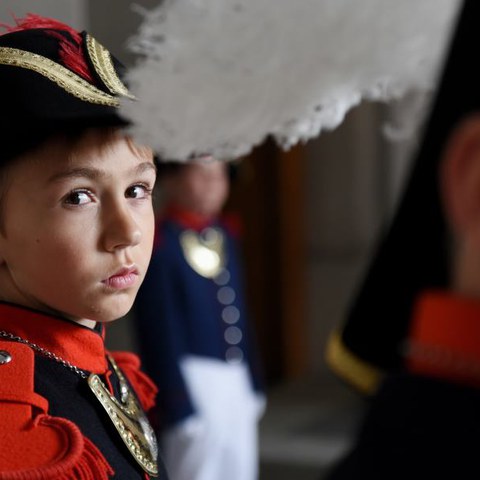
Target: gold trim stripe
{"x":362,"y":375}
{"x":102,"y":62}
{"x":64,"y":78}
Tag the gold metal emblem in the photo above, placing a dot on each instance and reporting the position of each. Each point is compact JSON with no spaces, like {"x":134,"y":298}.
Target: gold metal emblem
{"x":63,"y":77}
{"x":129,"y":419}
{"x":205,"y":251}
{"x":102,"y":62}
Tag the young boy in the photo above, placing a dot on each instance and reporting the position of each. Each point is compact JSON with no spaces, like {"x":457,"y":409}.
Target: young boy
{"x":76,"y":233}
{"x":195,"y":334}
{"x":424,"y":422}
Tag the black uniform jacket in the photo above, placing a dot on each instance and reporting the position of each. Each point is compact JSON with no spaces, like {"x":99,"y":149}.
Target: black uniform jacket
{"x":417,"y":428}
{"x":425,"y":422}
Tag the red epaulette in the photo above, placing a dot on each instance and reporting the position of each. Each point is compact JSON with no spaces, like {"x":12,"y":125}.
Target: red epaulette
{"x":33,"y":444}
{"x":144,"y":387}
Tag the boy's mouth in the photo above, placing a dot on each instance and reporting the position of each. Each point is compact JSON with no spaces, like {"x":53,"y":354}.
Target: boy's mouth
{"x":124,"y":278}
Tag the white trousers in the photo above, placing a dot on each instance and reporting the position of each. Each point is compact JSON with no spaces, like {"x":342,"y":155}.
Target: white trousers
{"x":220,"y":442}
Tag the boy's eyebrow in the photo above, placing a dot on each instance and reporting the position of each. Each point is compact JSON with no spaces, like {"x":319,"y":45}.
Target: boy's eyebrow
{"x":94,"y":173}
{"x":144,"y":166}
{"x":83,"y":172}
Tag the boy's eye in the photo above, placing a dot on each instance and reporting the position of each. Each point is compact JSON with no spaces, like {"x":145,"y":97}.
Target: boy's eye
{"x":78,"y":197}
{"x":137,"y":191}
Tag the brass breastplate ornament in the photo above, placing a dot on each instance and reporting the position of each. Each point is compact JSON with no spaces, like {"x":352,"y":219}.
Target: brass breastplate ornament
{"x":204,"y":251}
{"x":129,"y":419}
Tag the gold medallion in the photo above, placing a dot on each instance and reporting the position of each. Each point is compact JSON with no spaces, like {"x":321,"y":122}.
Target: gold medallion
{"x":205,"y":251}
{"x":129,"y":419}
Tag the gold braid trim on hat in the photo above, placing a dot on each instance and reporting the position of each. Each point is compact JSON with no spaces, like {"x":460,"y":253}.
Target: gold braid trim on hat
{"x":102,"y":62}
{"x":63,"y":77}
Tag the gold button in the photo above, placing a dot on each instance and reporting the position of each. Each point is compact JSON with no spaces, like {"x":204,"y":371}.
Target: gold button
{"x":5,"y":357}
{"x":226,"y":295}
{"x":231,"y":314}
{"x":233,"y":335}
{"x":234,"y":355}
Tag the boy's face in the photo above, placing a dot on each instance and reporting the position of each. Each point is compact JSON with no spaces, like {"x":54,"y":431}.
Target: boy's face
{"x":201,"y":187}
{"x":78,"y":228}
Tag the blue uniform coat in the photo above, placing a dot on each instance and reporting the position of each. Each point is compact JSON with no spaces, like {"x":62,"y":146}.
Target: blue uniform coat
{"x":181,"y":313}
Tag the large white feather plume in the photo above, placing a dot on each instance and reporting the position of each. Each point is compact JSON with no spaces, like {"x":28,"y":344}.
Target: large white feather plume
{"x":217,"y":76}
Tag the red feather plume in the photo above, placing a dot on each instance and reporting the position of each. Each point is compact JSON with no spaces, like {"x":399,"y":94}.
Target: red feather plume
{"x":71,"y":52}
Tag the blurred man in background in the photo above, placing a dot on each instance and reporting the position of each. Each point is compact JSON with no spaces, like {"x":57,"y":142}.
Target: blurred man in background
{"x":194,"y":330}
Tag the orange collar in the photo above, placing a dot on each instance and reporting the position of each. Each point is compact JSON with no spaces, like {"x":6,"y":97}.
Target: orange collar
{"x":74,"y":343}
{"x":444,"y":340}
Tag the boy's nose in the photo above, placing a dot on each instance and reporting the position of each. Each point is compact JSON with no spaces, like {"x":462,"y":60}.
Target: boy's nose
{"x":121,"y":230}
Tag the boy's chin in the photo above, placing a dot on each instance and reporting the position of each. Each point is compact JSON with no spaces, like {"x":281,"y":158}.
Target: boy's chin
{"x":114,"y":314}
{"x":110,"y":313}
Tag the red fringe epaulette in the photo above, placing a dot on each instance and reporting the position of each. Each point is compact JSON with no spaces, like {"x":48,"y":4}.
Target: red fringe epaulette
{"x":144,"y":387}
{"x":33,"y":444}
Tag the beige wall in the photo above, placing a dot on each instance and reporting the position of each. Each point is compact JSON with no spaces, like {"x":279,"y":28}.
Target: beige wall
{"x":72,"y":12}
{"x":112,"y":22}
{"x":354,"y":175}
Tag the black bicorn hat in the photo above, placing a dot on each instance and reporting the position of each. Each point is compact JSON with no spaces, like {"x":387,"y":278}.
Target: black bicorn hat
{"x":413,"y":256}
{"x":53,"y":79}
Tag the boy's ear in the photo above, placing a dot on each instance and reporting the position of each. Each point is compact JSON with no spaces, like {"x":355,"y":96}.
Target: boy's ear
{"x":460,"y":178}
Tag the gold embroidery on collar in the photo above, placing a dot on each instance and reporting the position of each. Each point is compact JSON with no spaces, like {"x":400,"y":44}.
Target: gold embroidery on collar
{"x":102,"y":62}
{"x":64,"y":78}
